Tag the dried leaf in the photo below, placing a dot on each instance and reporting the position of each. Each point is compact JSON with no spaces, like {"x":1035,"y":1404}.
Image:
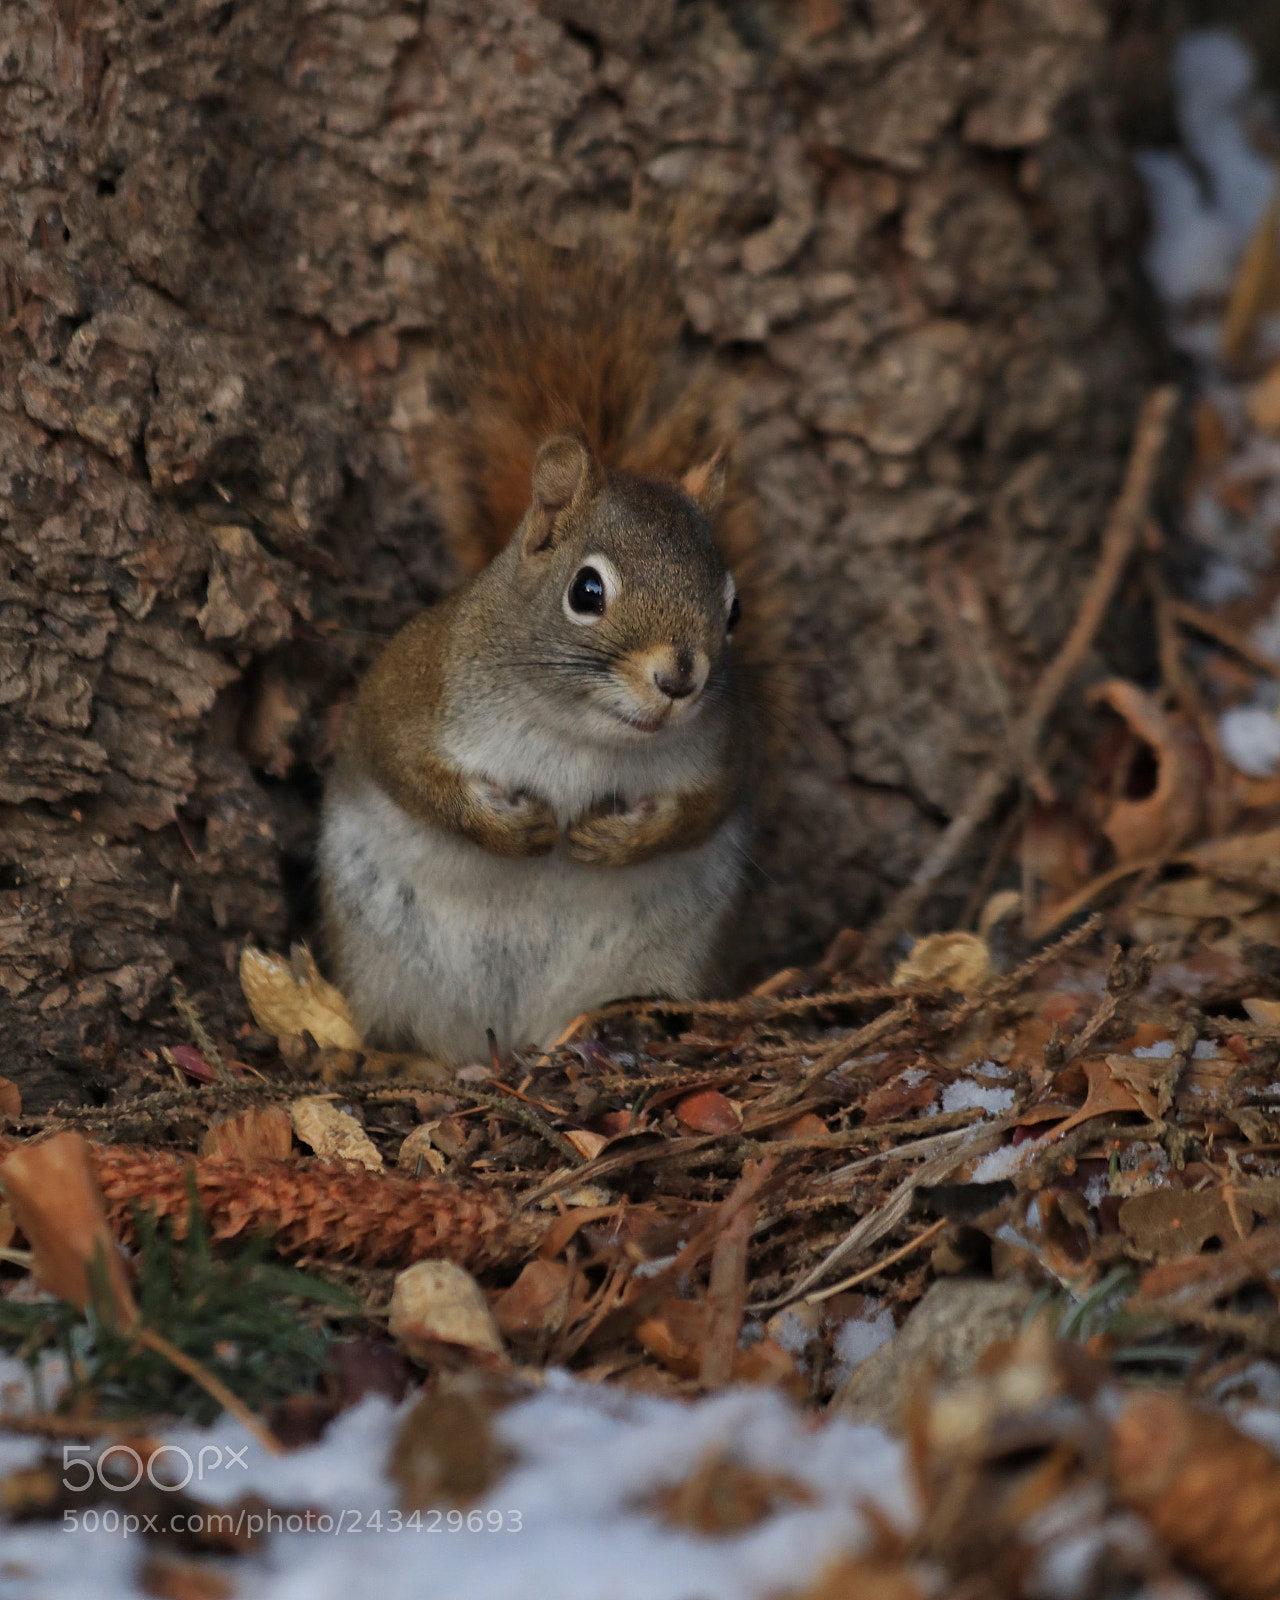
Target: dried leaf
{"x":1173,"y":812}
{"x":1106,"y":1098}
{"x":436,"y":1303}
{"x":446,"y":1452}
{"x":1256,"y":289}
{"x":537,"y":1302}
{"x":330,"y":1131}
{"x":58,"y":1205}
{"x":721,"y":1496}
{"x":291,"y":997}
{"x":895,"y":1099}
{"x":1265,"y":1011}
{"x":959,"y":961}
{"x":265,"y":1134}
{"x":708,"y":1111}
{"x":587,"y":1144}
{"x":417,"y":1151}
{"x":676,"y":1335}
{"x":1210,"y":1492}
{"x":10,"y":1099}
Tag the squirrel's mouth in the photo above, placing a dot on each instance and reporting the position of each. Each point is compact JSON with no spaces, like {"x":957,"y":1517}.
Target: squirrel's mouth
{"x":644,"y":724}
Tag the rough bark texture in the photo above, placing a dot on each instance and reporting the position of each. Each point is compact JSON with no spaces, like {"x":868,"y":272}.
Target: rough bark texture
{"x":217,"y":311}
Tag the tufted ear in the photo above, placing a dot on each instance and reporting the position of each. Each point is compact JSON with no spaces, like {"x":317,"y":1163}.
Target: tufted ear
{"x":705,"y":483}
{"x":565,"y":476}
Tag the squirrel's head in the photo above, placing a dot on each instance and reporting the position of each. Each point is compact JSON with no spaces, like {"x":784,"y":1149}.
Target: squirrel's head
{"x":628,"y":596}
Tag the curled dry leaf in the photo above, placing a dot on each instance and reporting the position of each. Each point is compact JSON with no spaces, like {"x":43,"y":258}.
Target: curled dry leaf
{"x":959,"y":961}
{"x":708,"y":1111}
{"x":1210,"y":1492}
{"x":264,"y":1134}
{"x":1173,"y":812}
{"x":290,"y":997}
{"x":587,"y":1144}
{"x":330,"y":1131}
{"x":57,"y":1203}
{"x":438,"y":1303}
{"x":417,"y":1153}
{"x":537,"y":1302}
{"x":1266,"y":1012}
{"x":676,"y":1335}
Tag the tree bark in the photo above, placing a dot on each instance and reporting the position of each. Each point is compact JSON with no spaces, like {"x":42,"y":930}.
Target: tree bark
{"x":909,"y":233}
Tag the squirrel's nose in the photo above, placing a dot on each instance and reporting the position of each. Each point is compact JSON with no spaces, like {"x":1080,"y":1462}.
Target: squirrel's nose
{"x":676,"y":685}
{"x":676,"y":677}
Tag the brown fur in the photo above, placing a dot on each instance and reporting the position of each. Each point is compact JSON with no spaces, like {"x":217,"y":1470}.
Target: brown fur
{"x":543,"y":340}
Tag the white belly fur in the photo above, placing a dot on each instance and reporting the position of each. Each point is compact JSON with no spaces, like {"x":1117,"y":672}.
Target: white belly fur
{"x":437,"y":940}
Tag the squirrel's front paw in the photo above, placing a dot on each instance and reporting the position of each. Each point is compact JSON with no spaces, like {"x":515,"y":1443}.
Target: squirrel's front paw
{"x":512,"y":822}
{"x":607,"y":837}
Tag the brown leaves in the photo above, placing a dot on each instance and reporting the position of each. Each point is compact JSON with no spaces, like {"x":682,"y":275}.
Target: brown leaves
{"x":332,"y":1132}
{"x":58,"y":1206}
{"x":721,"y":1496}
{"x":959,"y":961}
{"x":1156,"y":825}
{"x":1211,"y":1493}
{"x":438,"y":1303}
{"x":708,"y":1111}
{"x":290,"y":997}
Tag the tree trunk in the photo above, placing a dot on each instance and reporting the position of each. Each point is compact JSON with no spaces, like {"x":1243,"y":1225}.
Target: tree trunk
{"x":909,"y":232}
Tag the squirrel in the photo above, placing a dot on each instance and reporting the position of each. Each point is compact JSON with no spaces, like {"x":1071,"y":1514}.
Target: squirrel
{"x":545,"y":788}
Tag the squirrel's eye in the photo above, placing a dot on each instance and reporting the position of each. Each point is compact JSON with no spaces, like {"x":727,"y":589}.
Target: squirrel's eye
{"x":735,"y":613}
{"x":586,"y":593}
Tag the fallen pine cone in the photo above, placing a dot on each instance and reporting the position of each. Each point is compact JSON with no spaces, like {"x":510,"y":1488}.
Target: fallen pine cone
{"x":1210,"y":1492}
{"x":316,"y":1209}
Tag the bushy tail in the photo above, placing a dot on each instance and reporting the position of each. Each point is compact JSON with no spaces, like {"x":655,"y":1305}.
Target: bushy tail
{"x":539,"y":340}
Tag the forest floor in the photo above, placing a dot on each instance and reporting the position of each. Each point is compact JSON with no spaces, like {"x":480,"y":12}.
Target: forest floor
{"x":938,"y":1269}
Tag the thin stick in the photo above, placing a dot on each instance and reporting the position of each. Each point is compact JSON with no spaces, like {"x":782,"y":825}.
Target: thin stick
{"x":1205,"y":622}
{"x":835,"y":1054}
{"x":1120,"y":538}
{"x":507,"y":1106}
{"x":191,"y":1021}
{"x":876,"y":1224}
{"x":890,"y":1260}
{"x":212,"y":1386}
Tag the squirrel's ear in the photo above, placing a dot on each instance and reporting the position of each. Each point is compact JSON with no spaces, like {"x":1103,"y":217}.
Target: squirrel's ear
{"x":705,"y":483}
{"x":565,"y":475}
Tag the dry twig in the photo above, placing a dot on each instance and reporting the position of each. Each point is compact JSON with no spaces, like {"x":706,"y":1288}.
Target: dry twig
{"x":1120,"y":539}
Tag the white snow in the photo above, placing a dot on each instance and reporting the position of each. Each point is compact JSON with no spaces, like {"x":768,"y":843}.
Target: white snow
{"x":1161,"y":1050}
{"x":1004,"y":1161}
{"x":1204,"y":209}
{"x":964,"y":1094}
{"x":570,"y":1519}
{"x":1251,"y":740}
{"x":858,"y":1338}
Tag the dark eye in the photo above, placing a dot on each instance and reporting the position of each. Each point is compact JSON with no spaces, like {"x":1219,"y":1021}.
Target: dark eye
{"x":586,"y":593}
{"x":735,"y":613}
